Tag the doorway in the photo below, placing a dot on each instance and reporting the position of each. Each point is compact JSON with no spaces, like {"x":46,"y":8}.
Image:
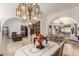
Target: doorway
{"x":24,"y":30}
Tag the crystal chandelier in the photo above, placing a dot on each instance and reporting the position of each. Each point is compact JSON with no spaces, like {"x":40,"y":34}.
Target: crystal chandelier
{"x":29,"y":12}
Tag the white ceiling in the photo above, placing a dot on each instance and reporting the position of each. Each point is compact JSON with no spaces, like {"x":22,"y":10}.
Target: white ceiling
{"x":50,"y":8}
{"x":46,"y":8}
{"x":64,"y":21}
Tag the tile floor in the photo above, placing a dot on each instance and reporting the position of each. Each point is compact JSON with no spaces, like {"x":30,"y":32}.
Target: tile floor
{"x":70,"y":49}
{"x":10,"y":47}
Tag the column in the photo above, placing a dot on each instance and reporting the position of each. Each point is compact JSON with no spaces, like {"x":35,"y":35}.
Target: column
{"x":28,"y":32}
{"x":75,"y":29}
{"x":1,"y":45}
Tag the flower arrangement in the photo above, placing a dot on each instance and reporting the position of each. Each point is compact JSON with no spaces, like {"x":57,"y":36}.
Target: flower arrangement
{"x":40,"y":38}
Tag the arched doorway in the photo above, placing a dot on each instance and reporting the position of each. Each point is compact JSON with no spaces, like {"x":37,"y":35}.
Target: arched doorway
{"x":24,"y":30}
{"x":21,"y":27}
{"x":70,"y":27}
{"x":67,"y":25}
{"x":12,"y":25}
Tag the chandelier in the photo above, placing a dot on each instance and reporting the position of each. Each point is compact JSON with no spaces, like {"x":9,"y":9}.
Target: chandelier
{"x":29,"y":12}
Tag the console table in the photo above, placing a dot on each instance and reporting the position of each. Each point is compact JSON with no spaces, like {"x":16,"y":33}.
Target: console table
{"x":31,"y":50}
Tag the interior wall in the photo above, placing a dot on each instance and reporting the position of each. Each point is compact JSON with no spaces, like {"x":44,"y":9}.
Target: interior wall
{"x":43,"y":24}
{"x":8,"y":10}
{"x":14,"y":25}
{"x":73,"y":13}
{"x":0,"y":38}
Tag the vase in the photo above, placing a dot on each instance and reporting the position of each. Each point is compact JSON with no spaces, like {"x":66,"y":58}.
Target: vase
{"x":40,"y":46}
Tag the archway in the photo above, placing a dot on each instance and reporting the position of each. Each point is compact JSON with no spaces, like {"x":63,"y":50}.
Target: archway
{"x":15,"y":25}
{"x":67,"y":25}
{"x":11,"y":25}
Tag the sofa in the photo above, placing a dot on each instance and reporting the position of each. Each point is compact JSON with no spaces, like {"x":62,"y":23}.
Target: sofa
{"x":16,"y":37}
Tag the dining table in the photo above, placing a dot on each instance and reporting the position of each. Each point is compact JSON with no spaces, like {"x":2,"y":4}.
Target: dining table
{"x":30,"y":50}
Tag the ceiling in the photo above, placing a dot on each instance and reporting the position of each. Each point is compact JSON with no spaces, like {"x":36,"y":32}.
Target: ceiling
{"x":50,"y":8}
{"x":47,"y":8}
{"x":64,"y":21}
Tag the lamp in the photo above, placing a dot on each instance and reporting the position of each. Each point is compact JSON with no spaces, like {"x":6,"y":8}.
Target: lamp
{"x":29,"y":12}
